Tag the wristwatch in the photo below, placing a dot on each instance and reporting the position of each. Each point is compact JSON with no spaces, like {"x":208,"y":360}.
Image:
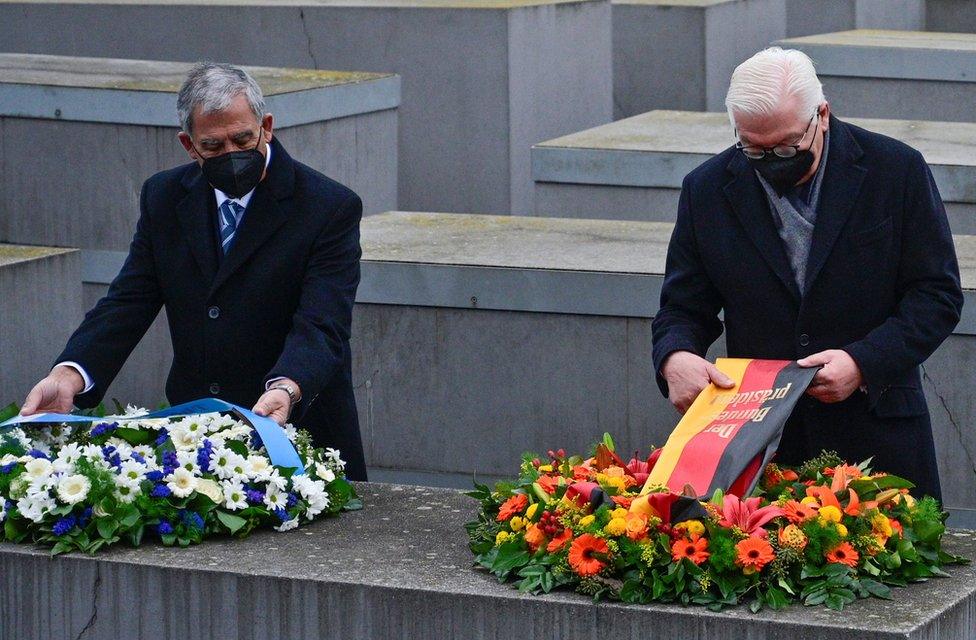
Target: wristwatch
{"x":287,"y":388}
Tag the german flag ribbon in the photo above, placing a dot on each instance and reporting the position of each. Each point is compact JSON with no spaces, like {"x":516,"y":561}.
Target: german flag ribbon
{"x":728,"y":436}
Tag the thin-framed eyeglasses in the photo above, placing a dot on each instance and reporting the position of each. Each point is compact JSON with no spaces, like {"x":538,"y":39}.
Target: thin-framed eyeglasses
{"x":754,"y":152}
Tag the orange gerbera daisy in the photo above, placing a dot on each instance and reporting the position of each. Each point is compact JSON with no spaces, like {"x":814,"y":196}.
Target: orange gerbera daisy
{"x":516,"y":504}
{"x":584,"y":555}
{"x":843,"y":553}
{"x":559,"y":540}
{"x":752,"y":554}
{"x":797,"y":512}
{"x":535,"y":537}
{"x":695,"y":549}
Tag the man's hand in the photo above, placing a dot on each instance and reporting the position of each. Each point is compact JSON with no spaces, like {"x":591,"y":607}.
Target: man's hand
{"x":55,"y":393}
{"x":839,"y":378}
{"x":687,"y":374}
{"x":275,"y":403}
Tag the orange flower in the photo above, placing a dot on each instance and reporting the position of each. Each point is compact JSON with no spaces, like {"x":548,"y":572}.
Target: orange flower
{"x":559,"y":540}
{"x":797,"y":512}
{"x":791,"y":536}
{"x":548,"y":483}
{"x":753,"y":553}
{"x":636,"y":526}
{"x":584,"y":555}
{"x":695,"y":549}
{"x":789,"y":474}
{"x":623,"y":501}
{"x":515,"y":504}
{"x":843,"y":553}
{"x":535,"y":537}
{"x":896,"y":528}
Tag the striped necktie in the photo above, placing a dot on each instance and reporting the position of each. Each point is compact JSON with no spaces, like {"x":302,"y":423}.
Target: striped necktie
{"x":230,"y":219}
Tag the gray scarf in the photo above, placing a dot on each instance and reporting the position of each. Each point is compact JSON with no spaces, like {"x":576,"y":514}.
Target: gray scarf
{"x":795,"y":218}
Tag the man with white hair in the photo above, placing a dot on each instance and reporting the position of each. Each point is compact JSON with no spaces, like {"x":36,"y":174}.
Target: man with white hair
{"x":822,"y":242}
{"x":255,"y":257}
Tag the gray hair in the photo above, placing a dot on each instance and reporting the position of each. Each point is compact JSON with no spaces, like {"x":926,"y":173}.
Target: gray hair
{"x":760,"y":83}
{"x":212,"y":86}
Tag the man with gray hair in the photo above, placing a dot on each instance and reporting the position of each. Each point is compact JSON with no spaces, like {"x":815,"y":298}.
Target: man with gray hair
{"x":255,"y":257}
{"x":821,"y":242}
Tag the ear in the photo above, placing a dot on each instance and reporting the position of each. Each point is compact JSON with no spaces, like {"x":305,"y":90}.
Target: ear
{"x":187,"y":143}
{"x":825,"y":115}
{"x":267,"y":123}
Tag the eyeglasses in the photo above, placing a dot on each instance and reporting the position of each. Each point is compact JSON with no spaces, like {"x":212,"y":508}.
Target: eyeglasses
{"x":781,"y":150}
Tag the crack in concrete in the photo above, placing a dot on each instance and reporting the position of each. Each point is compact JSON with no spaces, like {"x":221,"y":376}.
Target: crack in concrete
{"x":952,"y":420}
{"x":308,"y":39}
{"x":94,"y":613}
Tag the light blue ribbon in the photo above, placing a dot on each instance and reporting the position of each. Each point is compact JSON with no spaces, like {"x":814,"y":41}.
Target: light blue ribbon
{"x":280,"y":449}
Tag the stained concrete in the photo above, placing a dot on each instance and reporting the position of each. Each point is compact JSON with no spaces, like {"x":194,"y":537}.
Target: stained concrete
{"x":895,"y":74}
{"x":400,"y":568}
{"x":39,"y":302}
{"x":632,"y":169}
{"x":495,"y":76}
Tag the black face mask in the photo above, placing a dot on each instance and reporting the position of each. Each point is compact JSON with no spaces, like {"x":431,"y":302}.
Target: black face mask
{"x":783,"y":173}
{"x":236,"y":172}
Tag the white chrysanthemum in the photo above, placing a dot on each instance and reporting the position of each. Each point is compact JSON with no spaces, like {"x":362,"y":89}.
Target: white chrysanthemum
{"x":123,"y":448}
{"x":287,"y":525}
{"x":92,"y":452}
{"x":274,"y":478}
{"x":34,"y":507}
{"x":234,"y":496}
{"x":334,"y":457}
{"x":68,"y":456}
{"x":317,"y":504}
{"x":148,"y":454}
{"x":257,"y":465}
{"x":42,"y":444}
{"x":73,"y":489}
{"x":125,"y":492}
{"x":197,"y":425}
{"x":324,"y":472}
{"x":132,"y":473}
{"x":184,"y":439}
{"x":290,"y":431}
{"x":188,"y":460}
{"x":219,"y":422}
{"x":181,"y":482}
{"x":38,"y":469}
{"x":8,"y":458}
{"x":307,"y":486}
{"x":223,"y":461}
{"x":275,"y":498}
{"x":3,"y":510}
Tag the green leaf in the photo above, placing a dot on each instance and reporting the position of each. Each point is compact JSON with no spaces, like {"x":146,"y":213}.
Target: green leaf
{"x":229,"y":520}
{"x":9,"y":412}
{"x":835,"y":602}
{"x":876,"y":589}
{"x":355,"y":504}
{"x":135,"y":437}
{"x":106,"y":527}
{"x":608,"y":442}
{"x":130,"y":519}
{"x":510,"y":556}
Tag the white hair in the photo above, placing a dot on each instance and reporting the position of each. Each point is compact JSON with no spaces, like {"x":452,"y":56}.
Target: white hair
{"x":213,"y":86}
{"x":762,"y":82}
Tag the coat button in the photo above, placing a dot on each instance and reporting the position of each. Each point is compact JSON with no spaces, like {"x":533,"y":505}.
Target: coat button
{"x":213,"y":312}
{"x":214,"y":389}
{"x":804,"y":340}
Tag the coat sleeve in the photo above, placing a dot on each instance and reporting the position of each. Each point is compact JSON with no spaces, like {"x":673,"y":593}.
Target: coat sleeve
{"x":928,"y":288}
{"x":113,"y":328}
{"x":313,"y":351}
{"x":688,"y":317}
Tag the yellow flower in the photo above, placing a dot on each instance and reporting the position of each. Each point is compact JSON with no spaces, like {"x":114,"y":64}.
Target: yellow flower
{"x":880,"y":525}
{"x":616,"y":527}
{"x":530,"y":512}
{"x":546,"y":468}
{"x":693,"y":527}
{"x":842,"y":530}
{"x":809,"y":500}
{"x":517,"y":523}
{"x":829,"y":514}
{"x":587,"y":520}
{"x":501,"y":537}
{"x":619,"y":512}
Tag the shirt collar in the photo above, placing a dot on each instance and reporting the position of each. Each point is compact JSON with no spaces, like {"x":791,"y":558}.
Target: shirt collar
{"x":244,"y":199}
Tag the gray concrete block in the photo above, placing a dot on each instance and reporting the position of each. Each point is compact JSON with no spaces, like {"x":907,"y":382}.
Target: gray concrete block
{"x":479,"y":337}
{"x":492,"y":75}
{"x":895,"y":74}
{"x":632,"y":169}
{"x":950,"y":16}
{"x":656,"y":42}
{"x":400,"y":568}
{"x":804,"y":17}
{"x":40,"y":302}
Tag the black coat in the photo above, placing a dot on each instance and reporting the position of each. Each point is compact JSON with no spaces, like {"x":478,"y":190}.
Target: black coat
{"x":278,"y":304}
{"x":883,"y":284}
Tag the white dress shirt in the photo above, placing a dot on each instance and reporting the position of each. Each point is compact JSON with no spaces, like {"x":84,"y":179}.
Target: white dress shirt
{"x":221,"y":198}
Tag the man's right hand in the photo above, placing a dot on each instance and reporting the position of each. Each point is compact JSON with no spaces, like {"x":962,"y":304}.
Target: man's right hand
{"x":687,"y":374}
{"x":55,"y":393}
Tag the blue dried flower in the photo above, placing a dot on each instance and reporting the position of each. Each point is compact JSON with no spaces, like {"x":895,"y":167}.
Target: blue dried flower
{"x":103,"y":428}
{"x":203,"y":456}
{"x":137,"y":457}
{"x":85,"y":517}
{"x":63,"y":526}
{"x":112,"y":456}
{"x":34,"y":453}
{"x":254,"y":496}
{"x":170,"y":462}
{"x":163,"y":436}
{"x":7,"y":468}
{"x":191,"y":519}
{"x":292,"y":500}
{"x":155,"y":475}
{"x":164,"y":528}
{"x":282,"y":514}
{"x":161,"y":491}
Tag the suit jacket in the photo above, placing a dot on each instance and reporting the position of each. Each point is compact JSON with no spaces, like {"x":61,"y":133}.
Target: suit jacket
{"x":882,"y":284}
{"x":278,"y":304}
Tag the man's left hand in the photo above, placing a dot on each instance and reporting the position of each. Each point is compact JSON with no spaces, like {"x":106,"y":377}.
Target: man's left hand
{"x":275,"y":404}
{"x":837,"y":380}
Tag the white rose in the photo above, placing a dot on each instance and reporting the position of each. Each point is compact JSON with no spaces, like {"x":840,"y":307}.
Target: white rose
{"x":210,"y":489}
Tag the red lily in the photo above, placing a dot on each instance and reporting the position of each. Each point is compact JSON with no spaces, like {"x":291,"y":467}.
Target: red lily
{"x":747,"y":515}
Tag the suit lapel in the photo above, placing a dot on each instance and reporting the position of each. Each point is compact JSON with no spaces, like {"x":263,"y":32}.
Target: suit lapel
{"x":263,"y":217}
{"x":195,"y":213}
{"x":840,"y":188}
{"x":752,"y":208}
